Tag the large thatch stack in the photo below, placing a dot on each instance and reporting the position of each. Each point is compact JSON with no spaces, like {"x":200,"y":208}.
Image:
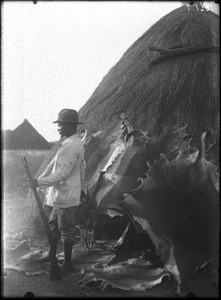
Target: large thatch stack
{"x":181,"y":90}
{"x":178,"y":91}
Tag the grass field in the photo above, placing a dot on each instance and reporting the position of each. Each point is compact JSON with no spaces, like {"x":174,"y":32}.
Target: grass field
{"x":16,"y":206}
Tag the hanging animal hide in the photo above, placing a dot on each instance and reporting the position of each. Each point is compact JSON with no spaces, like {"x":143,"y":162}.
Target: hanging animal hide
{"x":171,"y":190}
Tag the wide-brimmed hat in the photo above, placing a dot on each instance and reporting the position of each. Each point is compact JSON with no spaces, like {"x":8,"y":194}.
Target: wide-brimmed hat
{"x":68,"y":116}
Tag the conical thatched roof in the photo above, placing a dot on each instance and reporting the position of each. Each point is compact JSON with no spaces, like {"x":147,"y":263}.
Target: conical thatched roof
{"x":25,"y":136}
{"x":182,"y":90}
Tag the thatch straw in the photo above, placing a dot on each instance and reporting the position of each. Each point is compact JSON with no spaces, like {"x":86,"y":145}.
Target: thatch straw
{"x":183,"y":90}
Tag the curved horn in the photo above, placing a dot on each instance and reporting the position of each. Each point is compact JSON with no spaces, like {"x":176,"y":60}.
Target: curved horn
{"x":132,"y":133}
{"x":83,"y":135}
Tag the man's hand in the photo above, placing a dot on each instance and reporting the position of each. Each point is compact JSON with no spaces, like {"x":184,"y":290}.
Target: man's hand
{"x":33,"y":183}
{"x":83,"y":197}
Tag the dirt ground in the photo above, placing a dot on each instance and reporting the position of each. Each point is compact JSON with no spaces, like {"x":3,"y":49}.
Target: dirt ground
{"x":22,"y":277}
{"x":17,"y":284}
{"x":25,"y":278}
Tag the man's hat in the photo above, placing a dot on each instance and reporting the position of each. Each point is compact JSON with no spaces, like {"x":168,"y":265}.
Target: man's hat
{"x":68,"y":116}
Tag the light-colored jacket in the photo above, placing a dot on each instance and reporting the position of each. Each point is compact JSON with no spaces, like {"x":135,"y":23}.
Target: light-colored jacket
{"x":65,"y":175}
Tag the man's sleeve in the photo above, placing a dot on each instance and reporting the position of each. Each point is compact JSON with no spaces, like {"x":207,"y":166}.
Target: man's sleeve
{"x":47,"y":170}
{"x":66,"y":162}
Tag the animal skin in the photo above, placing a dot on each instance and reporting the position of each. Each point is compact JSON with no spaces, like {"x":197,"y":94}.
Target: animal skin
{"x":174,"y":199}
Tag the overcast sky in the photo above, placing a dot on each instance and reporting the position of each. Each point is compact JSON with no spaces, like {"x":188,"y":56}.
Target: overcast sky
{"x":54,"y":54}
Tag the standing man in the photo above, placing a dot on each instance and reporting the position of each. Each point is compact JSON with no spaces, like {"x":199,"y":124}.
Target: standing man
{"x":65,"y":178}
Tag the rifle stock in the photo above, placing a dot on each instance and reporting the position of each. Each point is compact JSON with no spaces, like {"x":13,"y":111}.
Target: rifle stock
{"x":55,"y":272}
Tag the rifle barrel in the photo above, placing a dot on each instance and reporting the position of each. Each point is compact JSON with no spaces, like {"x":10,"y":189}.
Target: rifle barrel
{"x":55,"y":273}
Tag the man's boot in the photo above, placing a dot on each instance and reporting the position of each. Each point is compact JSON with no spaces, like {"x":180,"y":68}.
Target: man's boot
{"x":52,"y":252}
{"x":66,"y":266}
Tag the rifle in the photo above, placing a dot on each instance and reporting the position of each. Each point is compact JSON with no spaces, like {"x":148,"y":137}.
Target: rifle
{"x":55,"y":272}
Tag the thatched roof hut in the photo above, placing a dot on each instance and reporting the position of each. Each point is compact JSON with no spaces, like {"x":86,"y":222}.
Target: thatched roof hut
{"x":25,"y":137}
{"x":180,"y":90}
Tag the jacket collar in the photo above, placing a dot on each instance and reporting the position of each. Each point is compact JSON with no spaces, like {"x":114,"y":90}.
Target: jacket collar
{"x":70,"y":139}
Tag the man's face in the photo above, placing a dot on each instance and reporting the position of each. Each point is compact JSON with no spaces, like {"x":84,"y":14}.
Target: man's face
{"x":67,"y":129}
{"x":64,"y":129}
